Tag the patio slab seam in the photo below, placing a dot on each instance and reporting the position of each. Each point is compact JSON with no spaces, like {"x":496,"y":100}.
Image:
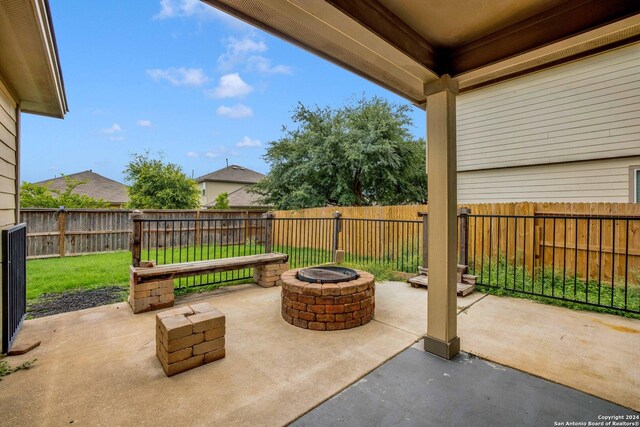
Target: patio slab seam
{"x":467,"y":307}
{"x":355,"y":381}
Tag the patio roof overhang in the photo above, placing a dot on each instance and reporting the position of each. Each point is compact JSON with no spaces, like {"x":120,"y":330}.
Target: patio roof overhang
{"x":29,"y":63}
{"x":428,"y":51}
{"x":403,"y":44}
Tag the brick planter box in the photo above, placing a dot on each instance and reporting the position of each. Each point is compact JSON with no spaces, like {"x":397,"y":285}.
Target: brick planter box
{"x":188,"y":337}
{"x":329,"y":306}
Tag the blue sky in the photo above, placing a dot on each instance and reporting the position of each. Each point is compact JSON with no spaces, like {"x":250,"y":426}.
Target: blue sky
{"x":179,"y":77}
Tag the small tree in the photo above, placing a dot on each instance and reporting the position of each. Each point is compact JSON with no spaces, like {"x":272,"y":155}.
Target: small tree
{"x":41,"y":196}
{"x":222,"y":201}
{"x":37,"y":196}
{"x":159,"y":185}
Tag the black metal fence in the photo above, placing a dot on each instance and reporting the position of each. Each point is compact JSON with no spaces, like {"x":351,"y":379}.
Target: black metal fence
{"x":590,"y":260}
{"x":169,"y":241}
{"x":14,"y":282}
{"x":395,"y":244}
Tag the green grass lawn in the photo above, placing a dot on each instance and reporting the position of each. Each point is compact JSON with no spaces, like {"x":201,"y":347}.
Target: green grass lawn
{"x":94,"y":271}
{"x":86,"y":272}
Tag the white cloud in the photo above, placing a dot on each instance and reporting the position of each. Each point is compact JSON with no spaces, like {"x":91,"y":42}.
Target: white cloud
{"x":237,"y":51}
{"x":263,"y":65}
{"x":115,"y":128}
{"x":185,"y":8}
{"x":196,"y":9}
{"x":230,"y":86}
{"x":243,"y":51}
{"x":238,"y":111}
{"x":145,"y":123}
{"x":179,"y":76}
{"x":248,"y":142}
{"x":210,"y":154}
{"x":114,"y":132}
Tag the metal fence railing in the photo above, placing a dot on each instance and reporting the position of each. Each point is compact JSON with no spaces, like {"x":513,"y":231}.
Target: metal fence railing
{"x":576,"y":258}
{"x":579,"y":259}
{"x":394,"y":243}
{"x":169,"y":241}
{"x":69,"y":232}
{"x":307,"y":241}
{"x":14,"y":282}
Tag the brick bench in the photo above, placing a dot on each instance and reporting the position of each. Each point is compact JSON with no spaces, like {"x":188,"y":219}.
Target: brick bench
{"x":189,"y":337}
{"x":151,"y":287}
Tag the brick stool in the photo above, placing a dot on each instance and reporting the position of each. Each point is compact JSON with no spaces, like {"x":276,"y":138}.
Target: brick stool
{"x":188,"y":337}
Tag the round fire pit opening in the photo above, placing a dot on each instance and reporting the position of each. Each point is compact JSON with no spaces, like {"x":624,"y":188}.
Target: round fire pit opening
{"x":327,"y":274}
{"x":310,"y":301}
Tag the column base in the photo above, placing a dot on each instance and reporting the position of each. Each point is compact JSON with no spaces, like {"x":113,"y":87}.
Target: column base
{"x":446,"y":350}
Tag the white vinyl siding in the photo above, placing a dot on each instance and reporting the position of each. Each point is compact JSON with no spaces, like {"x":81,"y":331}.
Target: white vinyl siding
{"x":588,"y":109}
{"x":592,"y":181}
{"x":8,"y":158}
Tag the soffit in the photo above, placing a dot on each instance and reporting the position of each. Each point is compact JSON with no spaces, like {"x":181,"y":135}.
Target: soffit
{"x":29,"y":62}
{"x":404,"y":44}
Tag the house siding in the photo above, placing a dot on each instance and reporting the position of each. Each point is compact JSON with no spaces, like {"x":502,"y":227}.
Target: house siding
{"x":213,"y":189}
{"x":605,"y":180}
{"x":584,"y":110}
{"x":8,"y":157}
{"x":8,"y":165}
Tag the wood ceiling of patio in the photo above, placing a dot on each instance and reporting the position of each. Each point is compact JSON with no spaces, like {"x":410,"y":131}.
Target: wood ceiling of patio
{"x":403,"y":44}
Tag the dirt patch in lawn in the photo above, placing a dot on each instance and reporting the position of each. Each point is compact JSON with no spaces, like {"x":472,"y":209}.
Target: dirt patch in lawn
{"x":62,"y":302}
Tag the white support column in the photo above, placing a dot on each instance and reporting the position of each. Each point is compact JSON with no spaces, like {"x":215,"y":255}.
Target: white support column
{"x":442,"y":338}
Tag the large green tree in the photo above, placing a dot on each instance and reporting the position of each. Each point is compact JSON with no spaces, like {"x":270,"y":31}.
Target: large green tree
{"x":41,"y":196}
{"x":360,"y":154}
{"x":159,"y":185}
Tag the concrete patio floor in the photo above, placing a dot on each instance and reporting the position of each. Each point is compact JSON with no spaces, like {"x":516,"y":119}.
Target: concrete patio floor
{"x":416,"y":388}
{"x":98,"y":366}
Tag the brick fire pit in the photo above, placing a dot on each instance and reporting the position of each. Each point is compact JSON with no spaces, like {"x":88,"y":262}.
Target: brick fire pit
{"x":328,"y":306}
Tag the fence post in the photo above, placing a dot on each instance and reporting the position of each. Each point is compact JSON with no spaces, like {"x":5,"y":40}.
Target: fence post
{"x":268,"y":229}
{"x":425,"y":238}
{"x":136,"y":237}
{"x":463,"y":252}
{"x":62,"y":229}
{"x":337,"y":228}
{"x":245,"y":221}
{"x":196,"y":237}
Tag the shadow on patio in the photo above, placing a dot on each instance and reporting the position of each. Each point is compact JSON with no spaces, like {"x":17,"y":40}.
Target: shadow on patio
{"x":98,"y":366}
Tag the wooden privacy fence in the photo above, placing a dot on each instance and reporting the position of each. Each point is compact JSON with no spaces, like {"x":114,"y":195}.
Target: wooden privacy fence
{"x":596,"y":240}
{"x":67,"y":232}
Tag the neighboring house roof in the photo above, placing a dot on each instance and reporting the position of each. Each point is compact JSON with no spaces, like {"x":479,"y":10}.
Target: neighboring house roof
{"x":232,"y":173}
{"x":241,"y":198}
{"x":97,"y":186}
